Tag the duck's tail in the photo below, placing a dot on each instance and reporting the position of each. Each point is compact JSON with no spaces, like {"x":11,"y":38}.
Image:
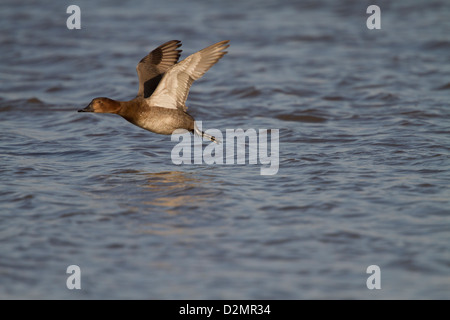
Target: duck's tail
{"x":202,"y":134}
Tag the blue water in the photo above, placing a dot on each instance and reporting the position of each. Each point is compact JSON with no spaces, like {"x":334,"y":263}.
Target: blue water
{"x":364,"y":153}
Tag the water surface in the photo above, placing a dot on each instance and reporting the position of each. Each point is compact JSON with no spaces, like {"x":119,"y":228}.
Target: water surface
{"x":364,"y":156}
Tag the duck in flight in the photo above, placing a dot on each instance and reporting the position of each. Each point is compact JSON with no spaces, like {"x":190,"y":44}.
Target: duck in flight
{"x":160,"y":105}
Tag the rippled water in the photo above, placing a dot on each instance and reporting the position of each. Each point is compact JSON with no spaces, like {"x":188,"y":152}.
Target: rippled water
{"x":363,"y":177}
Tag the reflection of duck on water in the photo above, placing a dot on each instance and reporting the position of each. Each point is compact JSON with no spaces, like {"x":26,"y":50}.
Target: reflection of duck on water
{"x":167,"y":191}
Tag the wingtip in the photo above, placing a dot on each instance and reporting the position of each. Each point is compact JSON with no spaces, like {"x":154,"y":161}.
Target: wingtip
{"x":178,"y":45}
{"x":224,"y":45}
{"x":178,"y":42}
{"x":172,"y":44}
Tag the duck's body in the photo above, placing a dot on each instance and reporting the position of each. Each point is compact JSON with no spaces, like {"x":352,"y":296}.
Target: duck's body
{"x":157,"y":119}
{"x":138,"y":112}
{"x":164,"y":85}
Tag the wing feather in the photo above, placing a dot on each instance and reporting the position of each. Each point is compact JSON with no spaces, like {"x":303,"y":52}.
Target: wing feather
{"x":152,"y":67}
{"x":173,"y":89}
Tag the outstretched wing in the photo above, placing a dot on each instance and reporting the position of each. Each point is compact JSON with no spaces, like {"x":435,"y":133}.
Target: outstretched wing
{"x":173,"y":88}
{"x":151,"y":68}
